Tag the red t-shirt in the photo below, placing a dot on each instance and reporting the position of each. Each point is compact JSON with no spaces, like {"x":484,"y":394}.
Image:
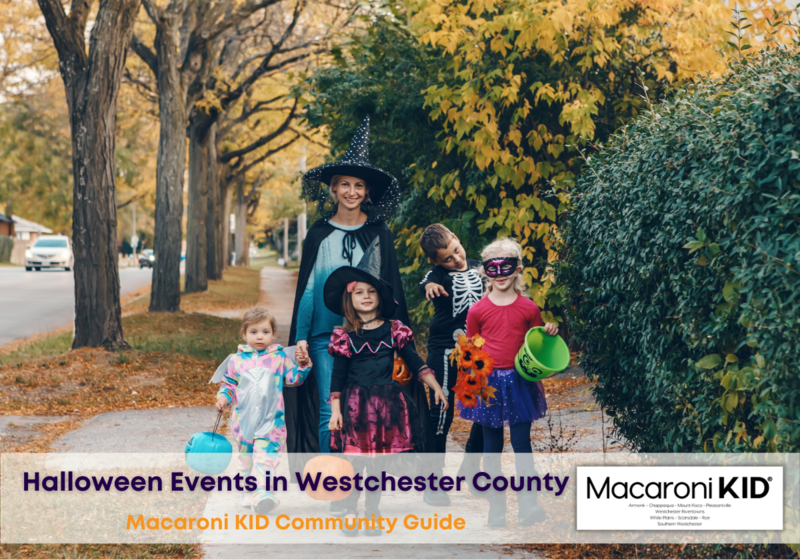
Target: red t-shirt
{"x":503,"y":327}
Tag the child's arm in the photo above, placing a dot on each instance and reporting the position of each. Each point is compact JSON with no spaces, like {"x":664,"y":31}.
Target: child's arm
{"x":336,"y":415}
{"x":293,"y":373}
{"x":473,"y":322}
{"x":535,"y":320}
{"x":430,"y":380}
{"x":230,"y":382}
{"x":408,"y":353}
{"x":431,"y":285}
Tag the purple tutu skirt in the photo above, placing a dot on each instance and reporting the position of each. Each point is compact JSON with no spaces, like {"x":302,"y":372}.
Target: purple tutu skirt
{"x":515,"y":401}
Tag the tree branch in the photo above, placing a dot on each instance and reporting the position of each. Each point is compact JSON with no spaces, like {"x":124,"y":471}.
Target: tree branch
{"x":226,"y":23}
{"x":263,"y":140}
{"x":153,"y":11}
{"x":259,"y":107}
{"x":269,"y":153}
{"x":69,"y":43}
{"x":79,"y":13}
{"x":145,"y":53}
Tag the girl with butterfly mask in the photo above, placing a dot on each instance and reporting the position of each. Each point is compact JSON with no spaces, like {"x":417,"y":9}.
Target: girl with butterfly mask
{"x":502,"y":318}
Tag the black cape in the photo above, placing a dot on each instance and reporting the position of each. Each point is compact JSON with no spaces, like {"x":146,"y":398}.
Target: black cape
{"x":302,"y":402}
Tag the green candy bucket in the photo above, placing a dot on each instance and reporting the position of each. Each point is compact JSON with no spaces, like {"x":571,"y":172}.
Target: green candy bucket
{"x":541,"y":355}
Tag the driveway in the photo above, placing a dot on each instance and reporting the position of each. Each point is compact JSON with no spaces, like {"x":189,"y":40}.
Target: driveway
{"x":34,"y":302}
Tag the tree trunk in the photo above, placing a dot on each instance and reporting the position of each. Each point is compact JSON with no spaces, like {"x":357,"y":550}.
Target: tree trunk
{"x":92,"y":87}
{"x":214,"y":218}
{"x":242,"y":253}
{"x":166,"y":292}
{"x":197,"y":223}
{"x":226,"y":194}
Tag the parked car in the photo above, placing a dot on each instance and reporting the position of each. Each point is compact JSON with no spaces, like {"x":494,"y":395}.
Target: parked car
{"x":50,"y":251}
{"x":146,"y":258}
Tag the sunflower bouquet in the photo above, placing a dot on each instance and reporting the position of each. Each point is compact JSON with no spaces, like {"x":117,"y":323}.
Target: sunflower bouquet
{"x":474,"y":366}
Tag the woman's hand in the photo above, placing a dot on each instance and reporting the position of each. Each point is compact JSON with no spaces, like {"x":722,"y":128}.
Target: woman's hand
{"x":336,"y":421}
{"x":551,"y":329}
{"x":301,"y":352}
{"x":222,"y":402}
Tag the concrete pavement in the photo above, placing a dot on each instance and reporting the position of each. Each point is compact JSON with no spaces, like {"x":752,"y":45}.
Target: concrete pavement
{"x":35,"y":302}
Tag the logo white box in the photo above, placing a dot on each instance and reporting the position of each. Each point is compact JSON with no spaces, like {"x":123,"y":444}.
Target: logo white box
{"x":683,"y":498}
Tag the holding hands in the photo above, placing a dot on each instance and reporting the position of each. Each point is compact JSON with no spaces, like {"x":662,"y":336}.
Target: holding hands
{"x":551,"y":329}
{"x":301,"y":354}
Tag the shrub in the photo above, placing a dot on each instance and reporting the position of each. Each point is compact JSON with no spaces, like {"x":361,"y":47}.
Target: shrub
{"x":683,"y":265}
{"x":6,"y":246}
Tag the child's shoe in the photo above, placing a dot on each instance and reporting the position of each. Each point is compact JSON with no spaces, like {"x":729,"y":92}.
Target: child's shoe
{"x":246,"y":500}
{"x":435,"y":498}
{"x":337,"y":508}
{"x":376,"y":531}
{"x":353,"y":517}
{"x":497,"y":508}
{"x":264,"y":503}
{"x":529,"y":512}
{"x":469,"y":467}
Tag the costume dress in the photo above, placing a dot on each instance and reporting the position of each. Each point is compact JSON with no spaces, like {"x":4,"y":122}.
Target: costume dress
{"x":378,"y":414}
{"x":253,"y":384}
{"x":504,"y":328}
{"x":464,"y":289}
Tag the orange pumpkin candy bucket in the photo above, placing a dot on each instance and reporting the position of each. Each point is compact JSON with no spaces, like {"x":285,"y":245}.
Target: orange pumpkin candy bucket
{"x":401,"y":373}
{"x":328,"y":465}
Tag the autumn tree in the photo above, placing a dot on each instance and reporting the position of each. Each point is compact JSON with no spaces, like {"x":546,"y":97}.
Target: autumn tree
{"x":483,"y":108}
{"x":530,"y":84}
{"x":92,"y":81}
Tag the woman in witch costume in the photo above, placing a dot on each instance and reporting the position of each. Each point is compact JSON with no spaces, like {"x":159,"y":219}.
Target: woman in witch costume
{"x":364,"y":197}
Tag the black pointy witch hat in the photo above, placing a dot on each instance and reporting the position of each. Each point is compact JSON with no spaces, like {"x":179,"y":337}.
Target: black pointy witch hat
{"x":368,"y":270}
{"x":384,"y":190}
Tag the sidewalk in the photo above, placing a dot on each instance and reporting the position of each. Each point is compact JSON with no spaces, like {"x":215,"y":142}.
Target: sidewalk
{"x":166,"y":430}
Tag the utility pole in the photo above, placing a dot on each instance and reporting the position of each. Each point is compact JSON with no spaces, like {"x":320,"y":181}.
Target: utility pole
{"x":135,"y":238}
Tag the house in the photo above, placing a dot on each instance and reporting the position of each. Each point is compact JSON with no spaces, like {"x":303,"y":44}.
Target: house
{"x":28,"y":231}
{"x":6,"y":226}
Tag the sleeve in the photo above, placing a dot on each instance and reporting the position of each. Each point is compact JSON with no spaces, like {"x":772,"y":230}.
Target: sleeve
{"x":433,"y":275}
{"x":413,"y":361}
{"x":340,"y":344}
{"x":305,"y":313}
{"x":341,"y":366}
{"x":473,"y":321}
{"x":293,"y":374}
{"x":230,"y":380}
{"x":402,"y":335}
{"x":535,"y":317}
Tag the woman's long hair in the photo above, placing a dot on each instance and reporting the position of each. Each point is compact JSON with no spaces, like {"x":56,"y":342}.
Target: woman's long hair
{"x":352,"y":322}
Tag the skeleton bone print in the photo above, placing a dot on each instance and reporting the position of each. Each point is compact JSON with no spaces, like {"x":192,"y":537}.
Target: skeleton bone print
{"x":467,"y":290}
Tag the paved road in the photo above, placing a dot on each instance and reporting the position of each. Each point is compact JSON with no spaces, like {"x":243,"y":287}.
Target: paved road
{"x":34,"y":302}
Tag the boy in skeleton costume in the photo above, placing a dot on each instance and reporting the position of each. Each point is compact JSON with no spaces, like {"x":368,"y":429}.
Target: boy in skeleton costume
{"x":454,"y":285}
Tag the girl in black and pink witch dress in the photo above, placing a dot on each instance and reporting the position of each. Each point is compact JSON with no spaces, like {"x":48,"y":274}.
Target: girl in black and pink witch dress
{"x":373,"y":416}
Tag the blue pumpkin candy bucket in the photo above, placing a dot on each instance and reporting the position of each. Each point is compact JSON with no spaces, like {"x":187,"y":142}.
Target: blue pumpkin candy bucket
{"x":209,"y":452}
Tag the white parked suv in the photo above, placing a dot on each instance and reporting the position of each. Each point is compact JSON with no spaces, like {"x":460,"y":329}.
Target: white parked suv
{"x":50,"y":251}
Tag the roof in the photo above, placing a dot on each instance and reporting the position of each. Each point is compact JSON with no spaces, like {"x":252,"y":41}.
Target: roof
{"x":23,"y":225}
{"x":4,"y":218}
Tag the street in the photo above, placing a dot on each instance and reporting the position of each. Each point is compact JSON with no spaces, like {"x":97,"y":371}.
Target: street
{"x":34,"y":302}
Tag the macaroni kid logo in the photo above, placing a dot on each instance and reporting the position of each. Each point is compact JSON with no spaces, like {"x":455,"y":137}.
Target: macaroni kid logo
{"x":680,"y":498}
{"x":749,"y":487}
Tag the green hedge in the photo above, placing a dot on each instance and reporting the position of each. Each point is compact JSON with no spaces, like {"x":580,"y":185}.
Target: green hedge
{"x":6,"y":246}
{"x":682,"y":266}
